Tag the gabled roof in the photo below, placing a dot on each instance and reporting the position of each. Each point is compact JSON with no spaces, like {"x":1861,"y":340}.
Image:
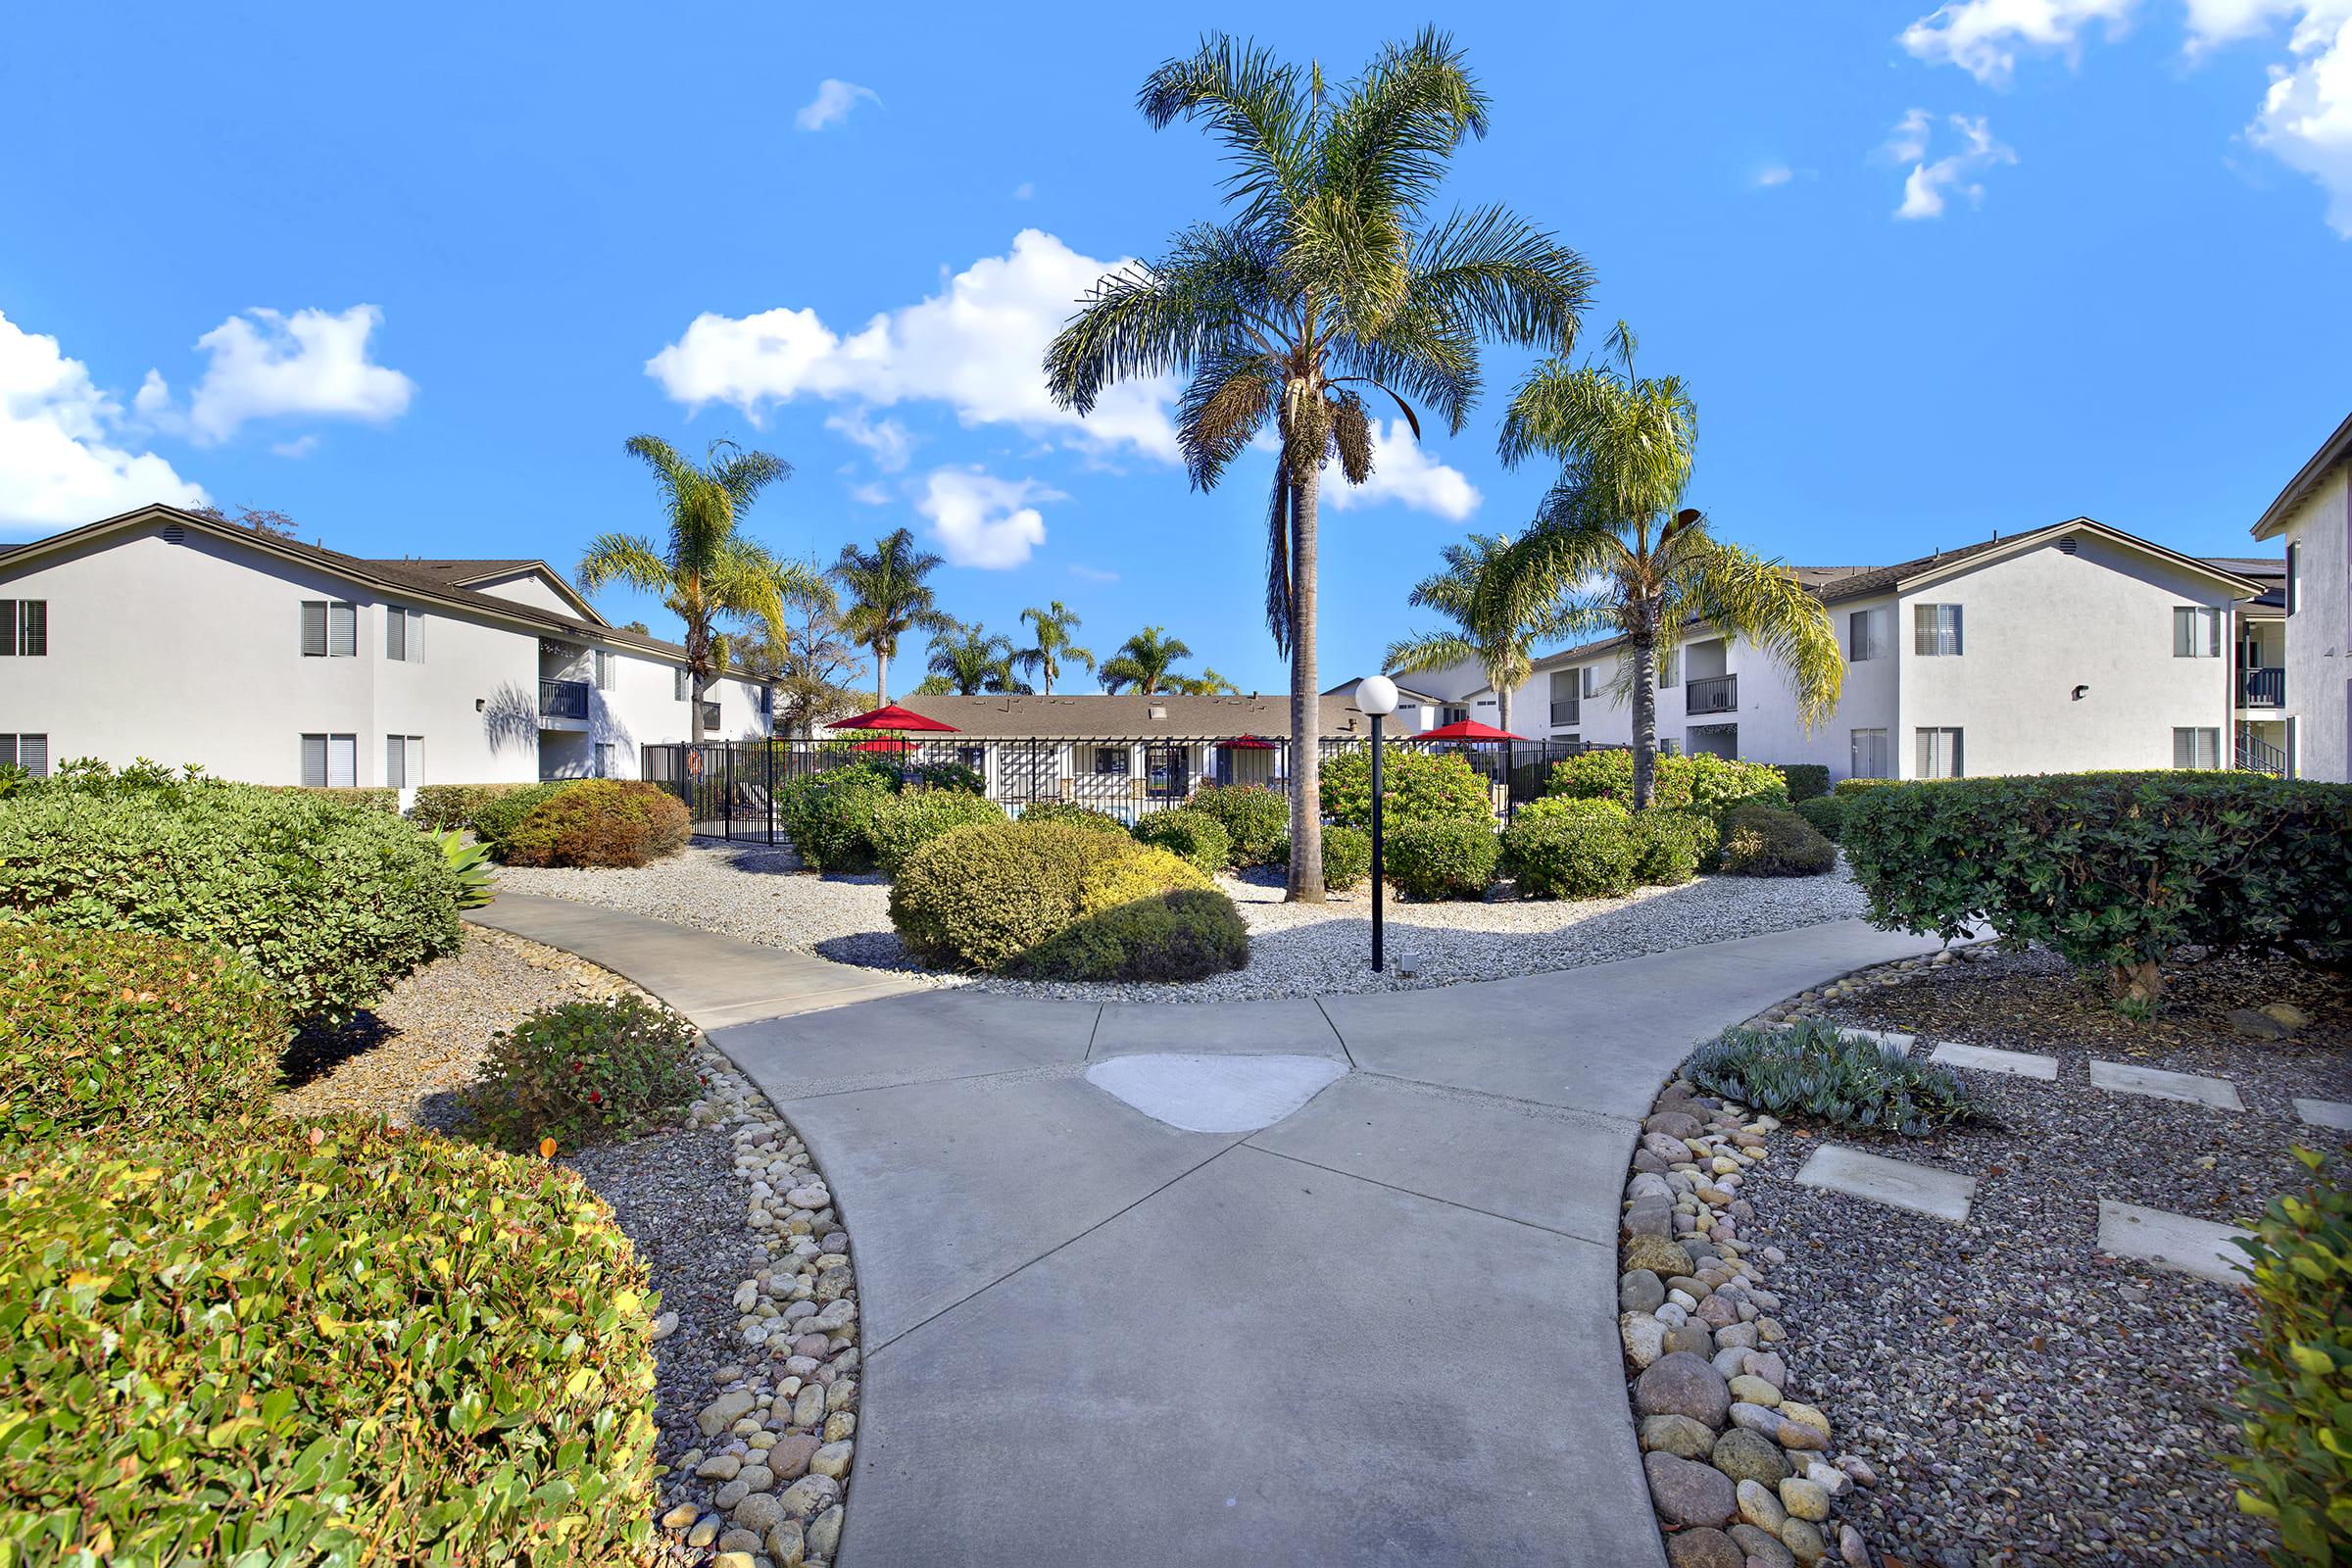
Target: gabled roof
{"x":1129,"y":718}
{"x":2336,"y":449}
{"x":1347,"y":688}
{"x":472,"y":573}
{"x":404,"y":578}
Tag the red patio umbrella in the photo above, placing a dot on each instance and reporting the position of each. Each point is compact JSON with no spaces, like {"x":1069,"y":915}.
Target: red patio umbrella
{"x":891,"y":716}
{"x":882,"y":743}
{"x":1246,"y":743}
{"x":1468,"y":729}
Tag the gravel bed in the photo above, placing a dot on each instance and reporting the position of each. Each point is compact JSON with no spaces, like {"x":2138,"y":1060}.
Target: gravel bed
{"x":760,"y":895}
{"x":2025,"y":1398}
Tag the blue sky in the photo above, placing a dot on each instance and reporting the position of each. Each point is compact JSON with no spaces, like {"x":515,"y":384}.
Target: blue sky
{"x":1930,"y":274}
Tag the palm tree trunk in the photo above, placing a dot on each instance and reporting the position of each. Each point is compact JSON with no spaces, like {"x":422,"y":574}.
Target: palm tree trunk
{"x":697,"y":638}
{"x":1645,"y":705}
{"x":881,"y":677}
{"x":1502,"y":708}
{"x":1306,"y":715}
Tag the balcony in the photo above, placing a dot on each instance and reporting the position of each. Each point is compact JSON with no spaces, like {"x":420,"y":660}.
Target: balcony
{"x":564,"y":699}
{"x":1711,"y":694}
{"x":2261,"y":687}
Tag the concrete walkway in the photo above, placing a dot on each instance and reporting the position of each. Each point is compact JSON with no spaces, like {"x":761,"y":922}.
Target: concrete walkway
{"x":1381,"y":1330}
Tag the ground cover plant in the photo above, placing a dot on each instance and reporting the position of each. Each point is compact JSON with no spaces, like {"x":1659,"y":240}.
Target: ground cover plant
{"x":583,"y":1072}
{"x":1442,"y":858}
{"x":1565,"y":847}
{"x":1257,"y":820}
{"x":1193,"y":836}
{"x":980,"y":897}
{"x":1811,"y":1070}
{"x":1766,"y":840}
{"x":1420,"y":786}
{"x":1186,"y":935}
{"x":601,"y":822}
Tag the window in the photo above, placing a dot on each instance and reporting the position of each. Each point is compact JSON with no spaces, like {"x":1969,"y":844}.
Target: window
{"x":1936,"y":630}
{"x":1670,"y":666}
{"x":1939,"y":753}
{"x":710,"y":719}
{"x":1453,"y":715}
{"x":24,"y":627}
{"x":677,"y":684}
{"x":604,"y":759}
{"x":1593,"y":680}
{"x":975,"y":757}
{"x":2196,"y":632}
{"x":1866,"y":638}
{"x":330,"y":761}
{"x":2294,"y":576}
{"x":604,"y":670}
{"x":27,"y":752}
{"x":1110,"y":759}
{"x":1565,"y":706}
{"x":404,"y":760}
{"x":1871,"y":757}
{"x":2197,"y":748}
{"x":330,"y":629}
{"x":403,"y":635}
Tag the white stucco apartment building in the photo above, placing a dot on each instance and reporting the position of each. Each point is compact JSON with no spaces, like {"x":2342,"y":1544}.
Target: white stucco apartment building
{"x":186,"y":640}
{"x":2061,"y":649}
{"x":2312,"y":520}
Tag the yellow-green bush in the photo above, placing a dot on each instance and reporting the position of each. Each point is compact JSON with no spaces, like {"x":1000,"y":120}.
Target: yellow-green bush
{"x":1418,"y":786}
{"x":906,"y":821}
{"x":980,"y":897}
{"x":1196,"y":836}
{"x":124,"y":1032}
{"x":340,"y":1345}
{"x":446,"y":806}
{"x":1256,"y":819}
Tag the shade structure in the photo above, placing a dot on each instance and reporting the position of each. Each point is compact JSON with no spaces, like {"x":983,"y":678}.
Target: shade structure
{"x":1468,"y":729}
{"x":1246,"y":743}
{"x":891,"y":716}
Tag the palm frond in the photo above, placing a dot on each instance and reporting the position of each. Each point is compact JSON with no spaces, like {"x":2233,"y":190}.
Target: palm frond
{"x":1496,"y":274}
{"x":1742,"y":594}
{"x":1252,"y":103}
{"x":623,"y":558}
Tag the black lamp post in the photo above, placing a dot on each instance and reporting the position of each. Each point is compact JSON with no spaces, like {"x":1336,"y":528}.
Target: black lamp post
{"x":1376,"y":696}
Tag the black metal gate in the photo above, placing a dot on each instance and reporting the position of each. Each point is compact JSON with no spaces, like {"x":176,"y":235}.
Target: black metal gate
{"x":1167,"y":772}
{"x":1028,"y":771}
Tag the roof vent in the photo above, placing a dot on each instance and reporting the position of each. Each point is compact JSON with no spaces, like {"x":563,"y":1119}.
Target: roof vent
{"x":1159,"y":711}
{"x":2069,"y":545}
{"x":175,"y":534}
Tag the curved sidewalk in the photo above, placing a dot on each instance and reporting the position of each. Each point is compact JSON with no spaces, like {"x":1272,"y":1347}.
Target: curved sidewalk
{"x":1380,"y":1330}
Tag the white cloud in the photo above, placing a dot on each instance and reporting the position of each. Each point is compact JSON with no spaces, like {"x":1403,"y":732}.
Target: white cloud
{"x":886,"y":439}
{"x":978,"y":346}
{"x":1093,"y":573}
{"x":1927,"y":188}
{"x":1023,"y":191}
{"x":2306,"y":118}
{"x":1984,"y":37}
{"x":264,"y":364}
{"x":1774,"y":174}
{"x":59,"y":466}
{"x":869,"y":494}
{"x":1405,"y":474}
{"x":302,"y":445}
{"x":832,"y":104}
{"x":981,"y":521}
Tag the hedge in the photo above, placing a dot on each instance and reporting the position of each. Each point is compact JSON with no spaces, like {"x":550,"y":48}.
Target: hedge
{"x":1561,"y":848}
{"x":331,"y":903}
{"x":1766,"y":840}
{"x":1825,"y":813}
{"x":601,"y":822}
{"x":365,"y":798}
{"x":1420,"y":787}
{"x":335,"y":1345}
{"x":2112,"y":871}
{"x":1709,"y":783}
{"x":830,"y":816}
{"x":1194,"y":836}
{"x":1846,"y":788}
{"x":904,"y":823}
{"x":499,"y":815}
{"x":1189,"y":935}
{"x":1255,"y":818}
{"x":1807,"y":781}
{"x":1440,"y":859}
{"x":980,"y":897}
{"x":127,"y":1032}
{"x":447,"y":806}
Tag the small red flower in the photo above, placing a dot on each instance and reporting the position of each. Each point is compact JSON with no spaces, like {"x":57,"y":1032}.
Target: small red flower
{"x":596,"y":1096}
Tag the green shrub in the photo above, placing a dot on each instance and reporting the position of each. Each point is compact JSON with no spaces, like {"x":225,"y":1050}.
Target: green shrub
{"x":1421,"y":787}
{"x":445,"y":806}
{"x":2114,"y":870}
{"x":1810,"y":1069}
{"x":601,"y":822}
{"x":1766,"y":840}
{"x":1670,"y":845}
{"x":1848,"y":787}
{"x":980,"y":897}
{"x":340,"y":1344}
{"x":1807,"y":781}
{"x":1825,"y":813}
{"x":363,"y":798}
{"x":1256,"y":819}
{"x":1346,"y":857}
{"x":1708,"y":783}
{"x":962,"y":777}
{"x":1562,"y":847}
{"x":1440,"y":859}
{"x":497,"y":816}
{"x":113,"y":1032}
{"x":1172,"y":935}
{"x":2295,"y":1405}
{"x":585,"y":1071}
{"x":331,"y":903}
{"x":470,"y":862}
{"x":906,"y":821}
{"x":1068,"y":815}
{"x":830,"y":816}
{"x":1193,"y":836}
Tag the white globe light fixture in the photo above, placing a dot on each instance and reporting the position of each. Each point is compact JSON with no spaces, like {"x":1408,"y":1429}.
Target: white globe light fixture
{"x":1376,"y":696}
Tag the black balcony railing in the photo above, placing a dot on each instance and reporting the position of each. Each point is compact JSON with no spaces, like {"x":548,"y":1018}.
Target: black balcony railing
{"x":2263,"y":687}
{"x":2260,"y":756}
{"x":1711,"y":694}
{"x":564,"y":699}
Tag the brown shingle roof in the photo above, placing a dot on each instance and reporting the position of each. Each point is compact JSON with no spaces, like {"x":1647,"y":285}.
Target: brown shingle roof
{"x":1084,"y":716}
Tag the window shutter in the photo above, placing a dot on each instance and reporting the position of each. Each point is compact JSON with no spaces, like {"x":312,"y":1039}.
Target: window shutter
{"x":342,"y":761}
{"x":416,"y":635}
{"x":395,"y":762}
{"x":313,"y":628}
{"x":32,"y":626}
{"x":342,"y":631}
{"x":314,"y":762}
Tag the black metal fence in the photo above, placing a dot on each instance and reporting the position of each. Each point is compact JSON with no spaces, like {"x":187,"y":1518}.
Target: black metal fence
{"x":730,"y":786}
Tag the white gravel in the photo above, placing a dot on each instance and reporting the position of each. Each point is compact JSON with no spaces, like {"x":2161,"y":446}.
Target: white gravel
{"x":760,"y":895}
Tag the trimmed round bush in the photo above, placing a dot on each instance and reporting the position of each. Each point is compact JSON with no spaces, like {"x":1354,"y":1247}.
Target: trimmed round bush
{"x":830,"y":816}
{"x":601,"y":822}
{"x":497,"y":816}
{"x":1440,"y":859}
{"x":905,"y":822}
{"x":115,"y":1032}
{"x":1193,"y":836}
{"x":1421,"y":787}
{"x":1825,"y":813}
{"x":1346,"y":857}
{"x":1174,"y":936}
{"x":1561,"y":848}
{"x":584,"y":1071}
{"x":1670,"y":845}
{"x":335,"y":1343}
{"x":980,"y":897}
{"x":1069,"y":814}
{"x":329,"y":902}
{"x":1765,"y":840}
{"x":1255,"y":818}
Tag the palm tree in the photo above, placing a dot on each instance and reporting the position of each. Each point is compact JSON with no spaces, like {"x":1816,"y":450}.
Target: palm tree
{"x":706,"y":570}
{"x":1327,"y":281}
{"x":1208,"y":683}
{"x":1143,"y":662}
{"x":888,"y":599}
{"x":971,"y":659}
{"x":1054,"y":625}
{"x":1615,"y":550}
{"x":1503,"y":652}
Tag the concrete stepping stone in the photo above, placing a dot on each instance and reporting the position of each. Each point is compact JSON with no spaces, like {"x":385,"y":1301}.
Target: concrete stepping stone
{"x":2173,"y":1242}
{"x":1214,"y":1094}
{"x":2335,"y":1114}
{"x":1921,"y":1189}
{"x":1984,"y":1058}
{"x":2157,"y":1084}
